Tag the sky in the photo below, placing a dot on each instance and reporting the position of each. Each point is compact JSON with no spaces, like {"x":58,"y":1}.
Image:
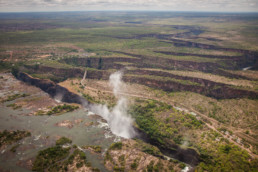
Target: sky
{"x":129,"y":5}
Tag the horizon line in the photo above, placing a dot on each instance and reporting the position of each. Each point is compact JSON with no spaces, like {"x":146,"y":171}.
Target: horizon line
{"x":166,"y":11}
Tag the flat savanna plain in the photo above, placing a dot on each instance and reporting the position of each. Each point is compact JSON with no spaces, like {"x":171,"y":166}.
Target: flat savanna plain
{"x":191,"y":77}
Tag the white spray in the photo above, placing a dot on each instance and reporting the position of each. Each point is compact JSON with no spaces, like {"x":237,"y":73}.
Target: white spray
{"x":119,"y":121}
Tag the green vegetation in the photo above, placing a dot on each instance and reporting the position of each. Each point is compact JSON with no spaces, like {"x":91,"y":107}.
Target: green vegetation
{"x":95,"y":148}
{"x":156,"y":129}
{"x":59,"y":109}
{"x":121,"y":160}
{"x":154,"y":168}
{"x":9,"y":137}
{"x":57,"y":158}
{"x":119,"y":169}
{"x":51,"y":77}
{"x":185,"y":82}
{"x":15,"y":96}
{"x":108,"y":157}
{"x":148,"y":148}
{"x":235,"y":158}
{"x":116,"y":146}
{"x":4,"y":66}
{"x":14,"y":106}
{"x":182,"y":165}
{"x":48,"y":157}
{"x":164,"y":124}
{"x":13,"y":149}
{"x":63,"y":141}
{"x":215,"y":151}
{"x":135,"y":164}
{"x":89,"y":98}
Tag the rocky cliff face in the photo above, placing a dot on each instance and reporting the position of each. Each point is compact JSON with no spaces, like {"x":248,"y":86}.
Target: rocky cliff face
{"x":187,"y":155}
{"x":166,"y":63}
{"x":222,"y":92}
{"x":100,"y":63}
{"x":68,"y":72}
{"x":201,"y":86}
{"x":53,"y":89}
{"x":204,"y":87}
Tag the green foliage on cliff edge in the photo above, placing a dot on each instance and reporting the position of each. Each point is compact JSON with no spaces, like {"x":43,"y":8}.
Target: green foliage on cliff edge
{"x":215,"y":155}
{"x":228,"y":158}
{"x":162,"y":131}
{"x":148,"y":148}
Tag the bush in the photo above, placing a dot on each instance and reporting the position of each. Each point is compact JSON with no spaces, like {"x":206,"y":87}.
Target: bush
{"x":182,"y":165}
{"x":96,"y":149}
{"x":13,"y":149}
{"x":58,"y":109}
{"x":49,"y":157}
{"x":121,"y":160}
{"x":9,"y":137}
{"x":135,"y":164}
{"x":15,"y":96}
{"x":63,"y":141}
{"x":117,"y":145}
{"x":79,"y":164}
{"x":152,"y":150}
{"x":95,"y":169}
{"x":119,"y":169}
{"x":150,"y":167}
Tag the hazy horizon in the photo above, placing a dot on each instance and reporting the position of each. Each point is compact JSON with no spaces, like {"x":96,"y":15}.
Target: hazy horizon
{"x":148,"y":11}
{"x":129,"y":5}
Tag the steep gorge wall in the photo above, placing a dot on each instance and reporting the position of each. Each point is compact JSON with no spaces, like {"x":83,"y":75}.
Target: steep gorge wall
{"x":202,"y":86}
{"x":69,"y":72}
{"x":100,"y":63}
{"x":188,"y":155}
{"x":52,"y":89}
{"x":171,"y":86}
{"x":170,"y":64}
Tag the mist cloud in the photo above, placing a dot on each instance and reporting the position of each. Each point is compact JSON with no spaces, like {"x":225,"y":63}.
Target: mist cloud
{"x":119,"y":121}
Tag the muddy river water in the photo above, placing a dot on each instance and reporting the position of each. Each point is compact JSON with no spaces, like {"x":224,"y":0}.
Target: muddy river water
{"x":44,"y":131}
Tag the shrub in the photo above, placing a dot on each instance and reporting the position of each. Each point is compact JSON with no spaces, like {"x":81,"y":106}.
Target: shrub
{"x":49,"y":157}
{"x":63,"y":141}
{"x":135,"y":164}
{"x":117,"y":145}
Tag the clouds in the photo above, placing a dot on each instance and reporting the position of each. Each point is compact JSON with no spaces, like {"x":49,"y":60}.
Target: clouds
{"x":171,"y":5}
